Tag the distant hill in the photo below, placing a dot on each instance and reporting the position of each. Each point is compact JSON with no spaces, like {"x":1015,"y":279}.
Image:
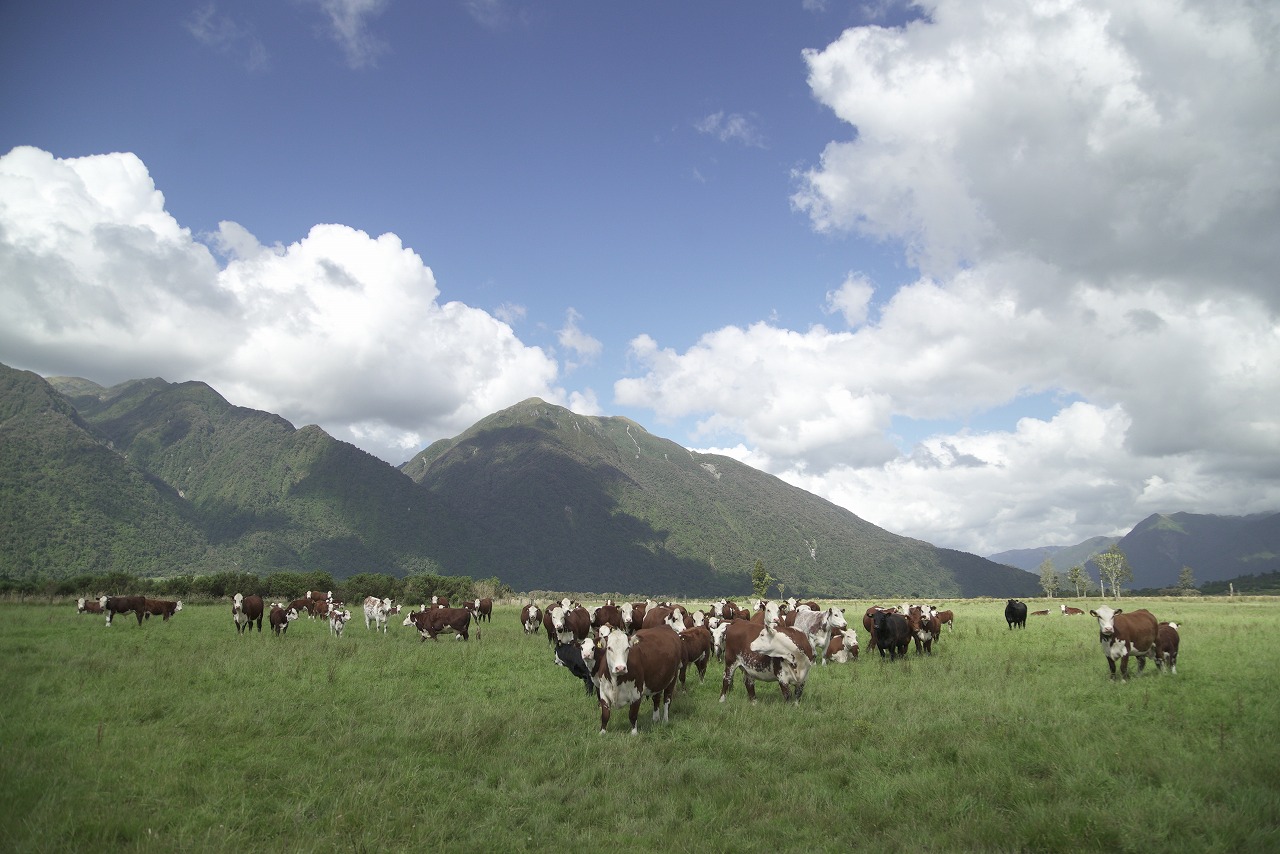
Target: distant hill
{"x":1063,"y":557}
{"x":157,"y":478}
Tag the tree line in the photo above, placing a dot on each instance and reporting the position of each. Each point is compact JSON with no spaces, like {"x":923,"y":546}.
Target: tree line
{"x":286,"y":586}
{"x":1113,"y":571}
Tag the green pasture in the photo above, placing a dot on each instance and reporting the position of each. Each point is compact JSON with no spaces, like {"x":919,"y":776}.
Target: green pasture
{"x":183,"y":736}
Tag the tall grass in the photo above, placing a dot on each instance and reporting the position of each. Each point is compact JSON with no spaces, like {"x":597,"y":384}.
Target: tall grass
{"x":185,"y":736}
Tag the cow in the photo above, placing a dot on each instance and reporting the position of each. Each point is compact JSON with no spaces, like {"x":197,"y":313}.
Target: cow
{"x":482,"y":609}
{"x":1167,"y":647}
{"x":376,"y":612}
{"x":868,"y":621}
{"x":319,"y":595}
{"x":162,"y":608}
{"x":88,"y":606}
{"x":727,"y":609}
{"x":280,"y":618}
{"x":579,"y":657}
{"x":569,"y":623}
{"x":769,"y":652}
{"x":633,"y":615}
{"x":843,"y":647}
{"x":1015,"y":613}
{"x":338,"y":617}
{"x":819,"y":626}
{"x":245,"y":610}
{"x":948,"y":619}
{"x":924,"y":626}
{"x":439,"y":601}
{"x":433,"y":621}
{"x":530,"y":618}
{"x":1124,"y":634}
{"x":1044,"y":613}
{"x":628,"y":669}
{"x":306,"y":603}
{"x":112,"y":605}
{"x":607,"y":614}
{"x":1068,"y":611}
{"x":891,"y":633}
{"x":697,"y":644}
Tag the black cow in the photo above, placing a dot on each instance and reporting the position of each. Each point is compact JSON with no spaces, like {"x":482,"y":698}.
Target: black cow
{"x":571,"y":655}
{"x":1015,"y":613}
{"x":891,"y":633}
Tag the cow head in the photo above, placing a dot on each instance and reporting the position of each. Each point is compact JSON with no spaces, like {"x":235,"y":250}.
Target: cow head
{"x":775,"y":644}
{"x":557,"y":618}
{"x":616,"y":646}
{"x":835,"y":618}
{"x":1106,"y":620}
{"x":675,"y":620}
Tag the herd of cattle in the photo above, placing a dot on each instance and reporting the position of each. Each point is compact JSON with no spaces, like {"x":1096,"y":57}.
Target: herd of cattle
{"x":625,"y":653}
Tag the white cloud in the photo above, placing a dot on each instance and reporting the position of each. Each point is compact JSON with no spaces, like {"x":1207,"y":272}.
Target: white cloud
{"x":339,"y":328}
{"x":348,"y":25}
{"x":1091,"y":192}
{"x":731,"y":127}
{"x":225,"y":35}
{"x":584,"y":347}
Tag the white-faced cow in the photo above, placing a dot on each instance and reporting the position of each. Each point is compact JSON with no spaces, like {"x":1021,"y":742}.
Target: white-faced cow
{"x":843,"y":647}
{"x":1015,"y":613}
{"x":628,"y":669}
{"x":338,"y":618}
{"x":245,"y":610}
{"x":376,"y":612}
{"x":280,"y":617}
{"x":306,"y":603}
{"x":608,"y":614}
{"x":769,"y":652}
{"x":819,"y":626}
{"x":1123,"y":634}
{"x":88,"y":606}
{"x":162,"y":608}
{"x":433,"y":621}
{"x":1167,"y":647}
{"x":112,"y":605}
{"x":1068,"y":611}
{"x":482,"y":609}
{"x":530,"y":618}
{"x":569,"y":623}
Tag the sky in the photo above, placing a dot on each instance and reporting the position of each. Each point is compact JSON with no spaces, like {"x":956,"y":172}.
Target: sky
{"x":992,"y":274}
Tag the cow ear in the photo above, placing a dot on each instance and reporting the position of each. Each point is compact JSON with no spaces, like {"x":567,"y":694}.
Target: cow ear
{"x":1119,"y":610}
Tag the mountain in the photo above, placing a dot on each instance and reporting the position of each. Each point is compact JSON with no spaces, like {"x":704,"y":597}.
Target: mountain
{"x":158,"y":478}
{"x":1217,"y":548}
{"x":552,"y":497}
{"x":1063,"y":557}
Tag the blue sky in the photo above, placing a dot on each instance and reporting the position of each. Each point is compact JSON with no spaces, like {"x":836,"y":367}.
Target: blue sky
{"x":986,"y":275}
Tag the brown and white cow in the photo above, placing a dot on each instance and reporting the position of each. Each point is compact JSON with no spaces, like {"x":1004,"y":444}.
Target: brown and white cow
{"x":319,"y":595}
{"x":569,"y":623}
{"x":628,"y":669}
{"x":530,"y":618}
{"x":280,"y":617}
{"x":245,"y":610}
{"x":481,"y":609}
{"x":819,"y":626}
{"x":1068,"y":611}
{"x":338,"y":618}
{"x":769,"y":652}
{"x":88,"y":606}
{"x":376,"y":612}
{"x":946,"y":618}
{"x":1043,"y":613}
{"x":162,"y":608}
{"x":1123,"y":634}
{"x":439,"y":601}
{"x":432,"y":621}
{"x":306,"y":603}
{"x":112,"y":605}
{"x":697,"y":645}
{"x":608,"y":614}
{"x":1167,"y":647}
{"x":843,"y":647}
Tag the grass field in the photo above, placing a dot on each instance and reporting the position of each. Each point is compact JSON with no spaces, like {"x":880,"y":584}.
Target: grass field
{"x":184,"y":736}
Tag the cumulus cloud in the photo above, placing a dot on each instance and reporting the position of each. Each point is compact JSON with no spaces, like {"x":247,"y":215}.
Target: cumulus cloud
{"x":338,"y":328}
{"x":1090,"y":193}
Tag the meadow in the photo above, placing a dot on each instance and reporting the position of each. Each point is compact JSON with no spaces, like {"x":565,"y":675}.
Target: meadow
{"x":184,"y":736}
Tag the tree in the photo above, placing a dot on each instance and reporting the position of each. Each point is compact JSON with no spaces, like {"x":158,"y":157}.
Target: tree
{"x":1048,"y":577}
{"x":760,"y":580}
{"x":1187,"y":582}
{"x":1078,"y":577}
{"x":1113,"y":568}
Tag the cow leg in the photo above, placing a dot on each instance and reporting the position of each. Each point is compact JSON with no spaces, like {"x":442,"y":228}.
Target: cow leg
{"x":657,"y":702}
{"x":726,"y":684}
{"x":634,"y":714}
{"x":786,"y":692}
{"x":751,"y":686}
{"x":604,"y":716}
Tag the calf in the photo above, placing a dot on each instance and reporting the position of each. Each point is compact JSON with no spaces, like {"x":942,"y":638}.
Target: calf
{"x":890,"y":633}
{"x":579,"y":657}
{"x":1124,"y":634}
{"x":245,"y":610}
{"x":112,"y":605}
{"x":629,"y":669}
{"x":279,"y":618}
{"x":162,"y":608}
{"x":948,"y":619}
{"x":1167,"y":647}
{"x":769,"y":652}
{"x":1040,"y":613}
{"x":530,"y":618}
{"x":1015,"y":613}
{"x":338,"y":618}
{"x":433,"y":621}
{"x":843,"y":647}
{"x":88,"y":606}
{"x":1068,"y":611}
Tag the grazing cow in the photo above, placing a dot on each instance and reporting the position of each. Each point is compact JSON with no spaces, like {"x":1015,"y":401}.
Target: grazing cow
{"x":280,"y":618}
{"x":88,"y":606}
{"x":697,"y":644}
{"x":948,"y":619}
{"x":433,"y":621}
{"x":1044,"y":613}
{"x":245,"y":610}
{"x":338,"y":617}
{"x":629,"y":669}
{"x":112,"y":605}
{"x":580,"y":659}
{"x":891,"y":633}
{"x":843,"y":647}
{"x":162,"y":608}
{"x":1167,"y":647}
{"x":1068,"y":611}
{"x":1015,"y":613}
{"x":530,"y":618}
{"x":376,"y":612}
{"x":306,"y":603}
{"x":769,"y":652}
{"x":1124,"y":634}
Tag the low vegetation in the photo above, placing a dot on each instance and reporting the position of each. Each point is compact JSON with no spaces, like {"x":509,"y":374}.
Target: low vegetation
{"x":185,"y":736}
